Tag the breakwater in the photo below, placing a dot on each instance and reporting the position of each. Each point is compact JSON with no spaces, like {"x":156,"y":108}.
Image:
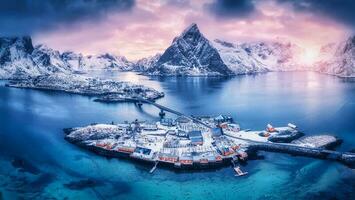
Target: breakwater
{"x":347,"y":158}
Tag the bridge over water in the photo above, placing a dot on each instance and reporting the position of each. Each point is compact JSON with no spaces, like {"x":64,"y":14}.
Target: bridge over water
{"x":164,"y":108}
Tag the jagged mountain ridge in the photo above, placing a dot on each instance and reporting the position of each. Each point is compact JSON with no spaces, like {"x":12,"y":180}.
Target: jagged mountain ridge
{"x":190,"y":54}
{"x":250,"y":58}
{"x":20,"y":59}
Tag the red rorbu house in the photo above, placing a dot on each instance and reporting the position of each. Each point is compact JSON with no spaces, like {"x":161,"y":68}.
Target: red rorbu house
{"x":127,"y":150}
{"x":107,"y":146}
{"x":168,"y":158}
{"x":186,"y":160}
{"x":203,"y":161}
{"x":226,"y":151}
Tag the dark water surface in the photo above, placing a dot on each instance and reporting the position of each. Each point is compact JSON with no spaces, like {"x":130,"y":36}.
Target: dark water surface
{"x":36,"y":162}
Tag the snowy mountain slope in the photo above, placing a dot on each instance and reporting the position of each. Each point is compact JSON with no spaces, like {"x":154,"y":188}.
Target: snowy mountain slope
{"x":78,"y":62}
{"x":73,"y":60}
{"x":19,"y":59}
{"x":145,"y":64}
{"x":338,"y":59}
{"x":238,"y":58}
{"x":49,"y":60}
{"x":276,"y":56}
{"x":248,"y":58}
{"x":190,"y":54}
{"x":104,"y":61}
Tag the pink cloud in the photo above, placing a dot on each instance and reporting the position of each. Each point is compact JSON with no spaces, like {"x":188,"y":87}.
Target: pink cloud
{"x":151,"y":26}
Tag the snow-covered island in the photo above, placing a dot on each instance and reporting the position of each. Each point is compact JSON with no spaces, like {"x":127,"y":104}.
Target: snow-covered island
{"x":209,"y":142}
{"x":109,"y":90}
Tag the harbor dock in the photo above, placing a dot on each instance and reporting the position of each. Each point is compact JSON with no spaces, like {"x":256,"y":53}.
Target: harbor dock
{"x":189,"y":142}
{"x":182,"y":143}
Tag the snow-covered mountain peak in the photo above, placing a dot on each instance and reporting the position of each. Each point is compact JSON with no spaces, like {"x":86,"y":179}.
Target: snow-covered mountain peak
{"x":14,"y":48}
{"x":190,"y":54}
{"x":21,"y":43}
{"x":45,"y":49}
{"x":191,"y":35}
{"x":190,"y":30}
{"x":20,"y":59}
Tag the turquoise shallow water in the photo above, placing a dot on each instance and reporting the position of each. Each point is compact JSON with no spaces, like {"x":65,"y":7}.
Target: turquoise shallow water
{"x":31,"y":125}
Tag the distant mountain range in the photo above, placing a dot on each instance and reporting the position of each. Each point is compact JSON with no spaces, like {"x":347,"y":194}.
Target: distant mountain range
{"x":190,"y":54}
{"x":193,"y":54}
{"x":20,"y":59}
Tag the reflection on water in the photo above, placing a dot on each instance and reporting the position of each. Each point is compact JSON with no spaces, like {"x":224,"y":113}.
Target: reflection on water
{"x":31,"y":139}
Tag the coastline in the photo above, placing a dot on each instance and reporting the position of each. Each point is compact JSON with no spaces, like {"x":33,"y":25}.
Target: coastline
{"x":210,"y":158}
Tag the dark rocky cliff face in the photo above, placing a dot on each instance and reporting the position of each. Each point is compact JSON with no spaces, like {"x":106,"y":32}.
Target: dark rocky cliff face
{"x":191,"y":50}
{"x":349,"y":45}
{"x":23,"y":47}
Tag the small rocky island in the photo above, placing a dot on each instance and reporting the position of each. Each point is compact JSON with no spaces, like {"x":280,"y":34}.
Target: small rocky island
{"x":204,"y":142}
{"x":104,"y":90}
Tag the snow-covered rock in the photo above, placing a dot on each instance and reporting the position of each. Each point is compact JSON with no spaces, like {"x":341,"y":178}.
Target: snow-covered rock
{"x":19,"y":59}
{"x":93,"y":132}
{"x":249,"y":58}
{"x":276,"y":56}
{"x":146,"y":64}
{"x":238,"y":58}
{"x":73,"y":60}
{"x":78,"y":62}
{"x":15,"y":58}
{"x":49,"y":60}
{"x":190,"y":54}
{"x":104,"y":62}
{"x":338,"y":59}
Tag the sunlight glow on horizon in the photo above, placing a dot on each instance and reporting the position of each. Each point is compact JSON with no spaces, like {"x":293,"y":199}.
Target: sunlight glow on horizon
{"x":152,"y":25}
{"x":309,"y":56}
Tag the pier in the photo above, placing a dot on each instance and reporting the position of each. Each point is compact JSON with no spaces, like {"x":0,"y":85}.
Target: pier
{"x":347,"y":158}
{"x":154,"y":167}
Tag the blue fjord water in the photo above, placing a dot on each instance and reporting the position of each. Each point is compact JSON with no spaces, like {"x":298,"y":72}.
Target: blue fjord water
{"x":37,"y":163}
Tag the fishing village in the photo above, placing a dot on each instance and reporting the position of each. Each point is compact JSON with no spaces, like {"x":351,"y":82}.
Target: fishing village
{"x":188,"y":142}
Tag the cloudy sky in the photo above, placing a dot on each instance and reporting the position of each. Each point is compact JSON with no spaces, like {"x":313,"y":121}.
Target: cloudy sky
{"x":140,"y":28}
